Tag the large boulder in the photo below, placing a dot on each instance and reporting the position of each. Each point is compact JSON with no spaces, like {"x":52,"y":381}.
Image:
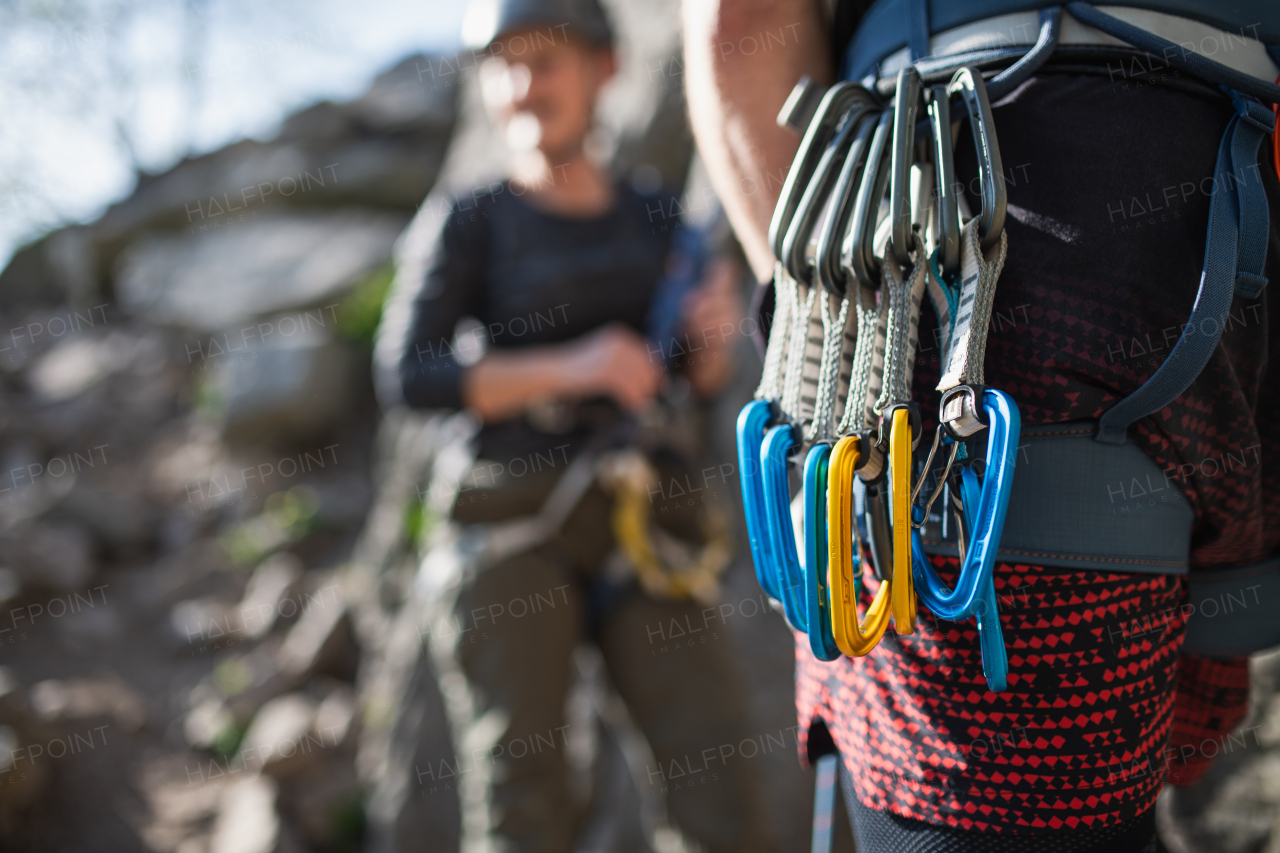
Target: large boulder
{"x":223,"y":276}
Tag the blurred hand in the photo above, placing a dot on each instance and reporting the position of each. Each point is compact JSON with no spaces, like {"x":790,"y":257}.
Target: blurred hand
{"x":616,"y":362}
{"x":712,"y":317}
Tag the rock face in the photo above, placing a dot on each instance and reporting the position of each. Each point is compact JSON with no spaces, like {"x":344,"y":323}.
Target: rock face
{"x":219,"y":276}
{"x":379,"y":153}
{"x":185,"y":451}
{"x":1235,"y":807}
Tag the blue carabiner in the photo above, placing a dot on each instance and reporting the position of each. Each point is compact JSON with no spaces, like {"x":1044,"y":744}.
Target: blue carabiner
{"x":817,"y":587}
{"x":752,"y":421}
{"x":995,"y":662}
{"x":778,"y":444}
{"x":985,"y":508}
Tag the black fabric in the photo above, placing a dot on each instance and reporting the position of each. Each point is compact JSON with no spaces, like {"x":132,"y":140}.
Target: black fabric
{"x":884,"y":832}
{"x":844,"y":23}
{"x":532,"y":278}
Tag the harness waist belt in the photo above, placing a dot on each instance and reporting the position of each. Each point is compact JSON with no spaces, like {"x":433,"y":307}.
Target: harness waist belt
{"x":1077,"y":503}
{"x":1232,"y":49}
{"x":1080,"y":504}
{"x":1235,"y":35}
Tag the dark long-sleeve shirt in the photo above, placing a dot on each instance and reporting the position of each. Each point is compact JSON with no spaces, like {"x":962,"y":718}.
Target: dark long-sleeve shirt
{"x":529,"y":278}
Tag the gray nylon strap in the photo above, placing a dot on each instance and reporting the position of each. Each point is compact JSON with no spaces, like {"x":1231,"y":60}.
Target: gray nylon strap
{"x":801,"y":347}
{"x":833,"y":335}
{"x":784,"y":291}
{"x":1081,"y":505}
{"x":1232,"y":612}
{"x":867,"y":369}
{"x":905,"y":290}
{"x":964,"y":349}
{"x":1076,"y":503}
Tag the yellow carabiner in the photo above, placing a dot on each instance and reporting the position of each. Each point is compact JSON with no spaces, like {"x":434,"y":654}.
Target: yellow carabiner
{"x":904,"y":591}
{"x":853,"y":638}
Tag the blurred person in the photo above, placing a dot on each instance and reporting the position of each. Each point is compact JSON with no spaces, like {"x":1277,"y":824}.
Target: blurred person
{"x":531,"y":318}
{"x":1104,"y":704}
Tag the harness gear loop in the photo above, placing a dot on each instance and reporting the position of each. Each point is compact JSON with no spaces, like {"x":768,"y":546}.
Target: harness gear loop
{"x":1235,"y":249}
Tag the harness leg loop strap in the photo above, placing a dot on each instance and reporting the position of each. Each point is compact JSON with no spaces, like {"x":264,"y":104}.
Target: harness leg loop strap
{"x":1237,"y":214}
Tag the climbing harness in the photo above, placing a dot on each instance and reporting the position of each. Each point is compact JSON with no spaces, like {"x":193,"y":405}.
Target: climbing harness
{"x":868,"y":222}
{"x":875,"y":256}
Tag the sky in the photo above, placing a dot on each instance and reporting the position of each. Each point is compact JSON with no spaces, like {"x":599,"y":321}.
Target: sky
{"x":91,"y":90}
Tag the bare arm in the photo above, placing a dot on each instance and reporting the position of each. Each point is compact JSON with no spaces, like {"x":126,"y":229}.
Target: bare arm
{"x":734,"y":96}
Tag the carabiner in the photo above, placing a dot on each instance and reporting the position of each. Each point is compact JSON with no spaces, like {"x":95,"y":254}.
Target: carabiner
{"x":848,"y":102}
{"x":948,"y":237}
{"x":905,"y":104}
{"x":752,"y":421}
{"x":984,"y":510}
{"x":816,"y":550}
{"x":830,"y":272}
{"x":853,"y":637}
{"x":812,"y":145}
{"x":904,"y":596}
{"x":778,"y":444}
{"x":967,"y":81}
{"x":857,"y":255}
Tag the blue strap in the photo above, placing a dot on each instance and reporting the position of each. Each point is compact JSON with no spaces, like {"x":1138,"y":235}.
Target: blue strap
{"x":824,"y":802}
{"x":1207,"y":69}
{"x":1255,"y":217}
{"x":1237,"y":237}
{"x":918,"y":28}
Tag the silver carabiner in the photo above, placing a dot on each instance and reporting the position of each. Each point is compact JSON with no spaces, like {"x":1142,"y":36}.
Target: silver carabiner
{"x":857,"y":255}
{"x":944,"y":165}
{"x":967,"y":81}
{"x":830,"y":271}
{"x":905,"y":103}
{"x":846,"y":102}
{"x":812,"y":145}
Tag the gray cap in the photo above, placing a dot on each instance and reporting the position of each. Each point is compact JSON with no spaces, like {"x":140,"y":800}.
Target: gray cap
{"x":486,"y":20}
